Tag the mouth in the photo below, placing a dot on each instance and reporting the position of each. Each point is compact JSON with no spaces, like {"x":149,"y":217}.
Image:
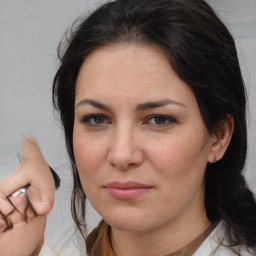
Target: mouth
{"x":127,"y":190}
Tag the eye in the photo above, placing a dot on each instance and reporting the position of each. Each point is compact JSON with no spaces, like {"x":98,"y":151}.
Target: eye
{"x":95,"y":120}
{"x":160,"y":120}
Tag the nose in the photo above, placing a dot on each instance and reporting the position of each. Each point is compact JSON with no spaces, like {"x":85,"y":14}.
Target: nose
{"x":125,"y":151}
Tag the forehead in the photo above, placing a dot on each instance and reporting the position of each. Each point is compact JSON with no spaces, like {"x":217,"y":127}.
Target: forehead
{"x":140,"y":70}
{"x":125,"y":58}
{"x":117,"y":52}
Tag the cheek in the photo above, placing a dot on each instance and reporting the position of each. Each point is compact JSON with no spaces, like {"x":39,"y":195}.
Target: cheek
{"x":180,"y":176}
{"x":89,"y":156}
{"x":180,"y":160}
{"x":84,"y":156}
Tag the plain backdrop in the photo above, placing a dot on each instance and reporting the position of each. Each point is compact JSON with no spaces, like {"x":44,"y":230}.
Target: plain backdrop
{"x":30,"y":31}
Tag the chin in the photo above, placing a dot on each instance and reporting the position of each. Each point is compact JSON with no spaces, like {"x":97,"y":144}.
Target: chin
{"x":128,"y":222}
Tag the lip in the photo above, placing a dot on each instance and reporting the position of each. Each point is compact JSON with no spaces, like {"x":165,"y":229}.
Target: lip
{"x":126,"y":190}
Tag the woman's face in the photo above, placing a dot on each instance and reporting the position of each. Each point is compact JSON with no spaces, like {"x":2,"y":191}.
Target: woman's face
{"x":140,"y":143}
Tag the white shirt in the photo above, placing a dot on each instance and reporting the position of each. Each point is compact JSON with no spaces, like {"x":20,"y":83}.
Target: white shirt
{"x":210,"y":247}
{"x":47,"y":251}
{"x":65,"y":251}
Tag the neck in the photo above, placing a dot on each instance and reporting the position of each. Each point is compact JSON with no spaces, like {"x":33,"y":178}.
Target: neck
{"x":162,"y":241}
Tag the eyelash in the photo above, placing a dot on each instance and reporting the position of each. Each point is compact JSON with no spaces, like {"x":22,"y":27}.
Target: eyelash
{"x":88,"y":120}
{"x":167,"y":119}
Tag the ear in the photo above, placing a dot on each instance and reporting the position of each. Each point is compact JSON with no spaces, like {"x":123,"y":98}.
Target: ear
{"x":221,"y":139}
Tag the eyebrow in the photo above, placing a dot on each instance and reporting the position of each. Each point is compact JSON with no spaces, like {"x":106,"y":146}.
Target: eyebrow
{"x":93,"y":103}
{"x":140,"y":107}
{"x":157,"y":104}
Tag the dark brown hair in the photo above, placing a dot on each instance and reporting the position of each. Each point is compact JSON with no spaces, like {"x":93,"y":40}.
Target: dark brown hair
{"x":202,"y":52}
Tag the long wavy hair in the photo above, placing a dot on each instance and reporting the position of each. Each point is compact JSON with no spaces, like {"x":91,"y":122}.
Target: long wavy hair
{"x":202,"y":52}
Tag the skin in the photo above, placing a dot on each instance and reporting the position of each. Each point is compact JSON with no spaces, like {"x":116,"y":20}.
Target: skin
{"x":34,"y":170}
{"x":124,"y":141}
{"x":25,"y":236}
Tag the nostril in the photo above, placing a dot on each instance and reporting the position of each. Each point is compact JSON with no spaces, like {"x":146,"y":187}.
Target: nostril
{"x":127,"y":159}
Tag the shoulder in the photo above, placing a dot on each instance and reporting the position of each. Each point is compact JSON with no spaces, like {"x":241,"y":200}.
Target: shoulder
{"x":213,"y":245}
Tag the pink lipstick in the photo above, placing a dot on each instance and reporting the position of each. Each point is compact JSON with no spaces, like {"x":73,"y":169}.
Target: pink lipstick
{"x":127,"y":190}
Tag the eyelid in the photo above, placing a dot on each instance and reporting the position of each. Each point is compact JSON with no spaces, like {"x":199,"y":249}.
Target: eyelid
{"x":168,"y":118}
{"x":86,"y":119}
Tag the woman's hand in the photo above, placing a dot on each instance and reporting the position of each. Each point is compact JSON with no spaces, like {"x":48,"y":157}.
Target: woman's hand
{"x":23,"y":237}
{"x":35,"y":171}
{"x":20,"y":235}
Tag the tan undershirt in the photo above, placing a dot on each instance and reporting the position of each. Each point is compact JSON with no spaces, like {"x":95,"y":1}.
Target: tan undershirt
{"x":99,"y":242}
{"x":192,"y":247}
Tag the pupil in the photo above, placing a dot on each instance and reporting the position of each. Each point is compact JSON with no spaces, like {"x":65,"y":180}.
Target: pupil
{"x":98,"y":119}
{"x":160,"y":120}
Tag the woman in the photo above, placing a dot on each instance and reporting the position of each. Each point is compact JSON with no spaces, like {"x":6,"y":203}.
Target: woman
{"x":152,"y":102}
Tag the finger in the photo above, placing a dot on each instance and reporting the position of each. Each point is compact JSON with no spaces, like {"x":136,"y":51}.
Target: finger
{"x":3,"y":225}
{"x":6,"y":210}
{"x":42,"y":206}
{"x":14,"y":210}
{"x":14,"y":182}
{"x":45,"y":184}
{"x":42,"y":201}
{"x":22,"y":204}
{"x":5,"y":206}
{"x":33,"y":166}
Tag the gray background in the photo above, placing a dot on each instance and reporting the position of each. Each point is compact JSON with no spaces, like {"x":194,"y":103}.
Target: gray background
{"x":30,"y":31}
